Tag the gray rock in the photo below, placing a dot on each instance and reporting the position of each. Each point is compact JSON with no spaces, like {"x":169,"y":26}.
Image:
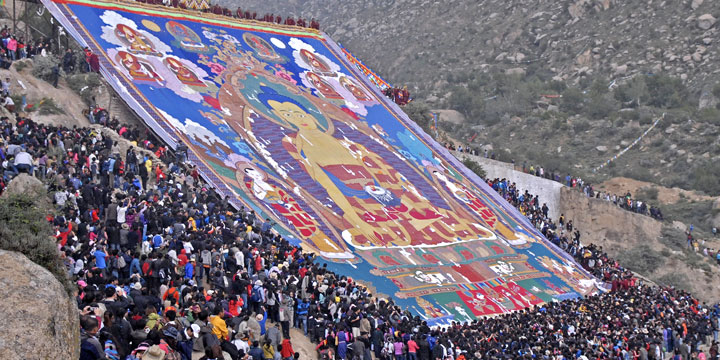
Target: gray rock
{"x":601,"y":148}
{"x":40,"y":320}
{"x":515,"y":71}
{"x":716,"y":210}
{"x":706,"y":21}
{"x":696,"y":4}
{"x":679,"y":226}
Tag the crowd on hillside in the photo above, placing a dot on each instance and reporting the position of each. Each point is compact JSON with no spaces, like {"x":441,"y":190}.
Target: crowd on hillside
{"x":625,"y":201}
{"x":14,"y":47}
{"x":564,"y":235}
{"x":164,"y":267}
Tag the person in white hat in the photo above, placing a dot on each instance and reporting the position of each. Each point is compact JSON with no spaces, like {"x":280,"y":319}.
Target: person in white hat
{"x":185,"y":345}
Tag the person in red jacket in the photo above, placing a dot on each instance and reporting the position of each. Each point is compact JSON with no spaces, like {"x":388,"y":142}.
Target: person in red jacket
{"x":286,"y":351}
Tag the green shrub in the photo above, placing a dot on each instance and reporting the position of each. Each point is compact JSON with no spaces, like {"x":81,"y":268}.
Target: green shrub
{"x":86,"y":85}
{"x":667,"y":92}
{"x":633,"y":93}
{"x":475,"y":167}
{"x":572,"y":100}
{"x":709,"y":116}
{"x":20,"y":65}
{"x":25,"y":230}
{"x":417,"y":111}
{"x":706,"y":177}
{"x":600,"y":107}
{"x":581,"y":126}
{"x":646,"y":120}
{"x":48,"y":107}
{"x":642,"y":259}
{"x":648,"y":193}
{"x":716,"y":90}
{"x":638,"y":173}
{"x":675,"y":279}
{"x":43,"y":67}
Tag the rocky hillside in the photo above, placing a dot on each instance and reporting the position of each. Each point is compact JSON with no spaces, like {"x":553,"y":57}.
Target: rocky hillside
{"x":426,"y":44}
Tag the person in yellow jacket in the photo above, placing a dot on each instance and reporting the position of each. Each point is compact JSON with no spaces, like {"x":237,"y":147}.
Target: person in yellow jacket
{"x":148,"y":165}
{"x":268,"y":351}
{"x":219,"y":327}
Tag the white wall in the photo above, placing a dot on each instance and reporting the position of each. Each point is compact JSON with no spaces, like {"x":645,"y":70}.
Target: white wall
{"x":548,"y":191}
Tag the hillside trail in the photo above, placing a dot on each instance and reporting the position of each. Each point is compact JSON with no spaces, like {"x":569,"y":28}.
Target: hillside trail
{"x":621,"y":185}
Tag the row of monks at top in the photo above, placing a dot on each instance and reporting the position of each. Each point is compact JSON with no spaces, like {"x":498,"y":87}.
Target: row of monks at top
{"x":205,"y":6}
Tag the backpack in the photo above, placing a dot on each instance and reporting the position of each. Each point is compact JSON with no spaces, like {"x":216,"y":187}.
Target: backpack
{"x":162,"y":274}
{"x":255,"y":297}
{"x":121,"y":262}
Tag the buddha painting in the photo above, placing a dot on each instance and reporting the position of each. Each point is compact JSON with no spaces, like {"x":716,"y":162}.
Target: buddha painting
{"x":183,"y":73}
{"x":140,"y":71}
{"x":261,"y":47}
{"x":136,"y":42}
{"x":317,"y":64}
{"x":371,"y":193}
{"x":465,"y":196}
{"x":322,"y":86}
{"x":185,"y":37}
{"x":354,"y":89}
{"x":257,"y":183}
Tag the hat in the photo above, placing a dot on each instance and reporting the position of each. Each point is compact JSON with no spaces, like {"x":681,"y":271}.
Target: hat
{"x":154,"y":353}
{"x":196,"y":330}
{"x":259,"y":317}
{"x":125,"y":226}
{"x":211,"y":292}
{"x":82,"y":283}
{"x":137,"y":286}
{"x":258,"y":283}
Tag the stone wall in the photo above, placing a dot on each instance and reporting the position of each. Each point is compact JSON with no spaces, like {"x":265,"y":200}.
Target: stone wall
{"x":547,"y":190}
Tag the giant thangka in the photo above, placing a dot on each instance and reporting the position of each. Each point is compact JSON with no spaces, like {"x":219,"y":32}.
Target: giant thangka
{"x":275,"y":118}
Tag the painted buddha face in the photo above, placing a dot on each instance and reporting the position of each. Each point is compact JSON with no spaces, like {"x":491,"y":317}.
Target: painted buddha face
{"x":293,"y":114}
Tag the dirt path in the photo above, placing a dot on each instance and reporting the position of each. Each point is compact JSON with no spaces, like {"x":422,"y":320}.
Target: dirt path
{"x":621,"y":185}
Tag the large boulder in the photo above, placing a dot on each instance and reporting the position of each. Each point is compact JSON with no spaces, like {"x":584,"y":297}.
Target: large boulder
{"x":39,"y":319}
{"x":706,"y":21}
{"x":26,"y":184}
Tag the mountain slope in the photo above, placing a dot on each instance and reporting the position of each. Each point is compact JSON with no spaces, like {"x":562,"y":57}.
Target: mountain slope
{"x":425,"y":43}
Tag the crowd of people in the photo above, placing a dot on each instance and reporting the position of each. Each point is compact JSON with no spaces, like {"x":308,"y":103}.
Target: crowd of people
{"x":625,"y":202}
{"x":400,"y":96}
{"x":240,"y":14}
{"x":164,"y":267}
{"x":564,"y":235}
{"x":14,"y":47}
